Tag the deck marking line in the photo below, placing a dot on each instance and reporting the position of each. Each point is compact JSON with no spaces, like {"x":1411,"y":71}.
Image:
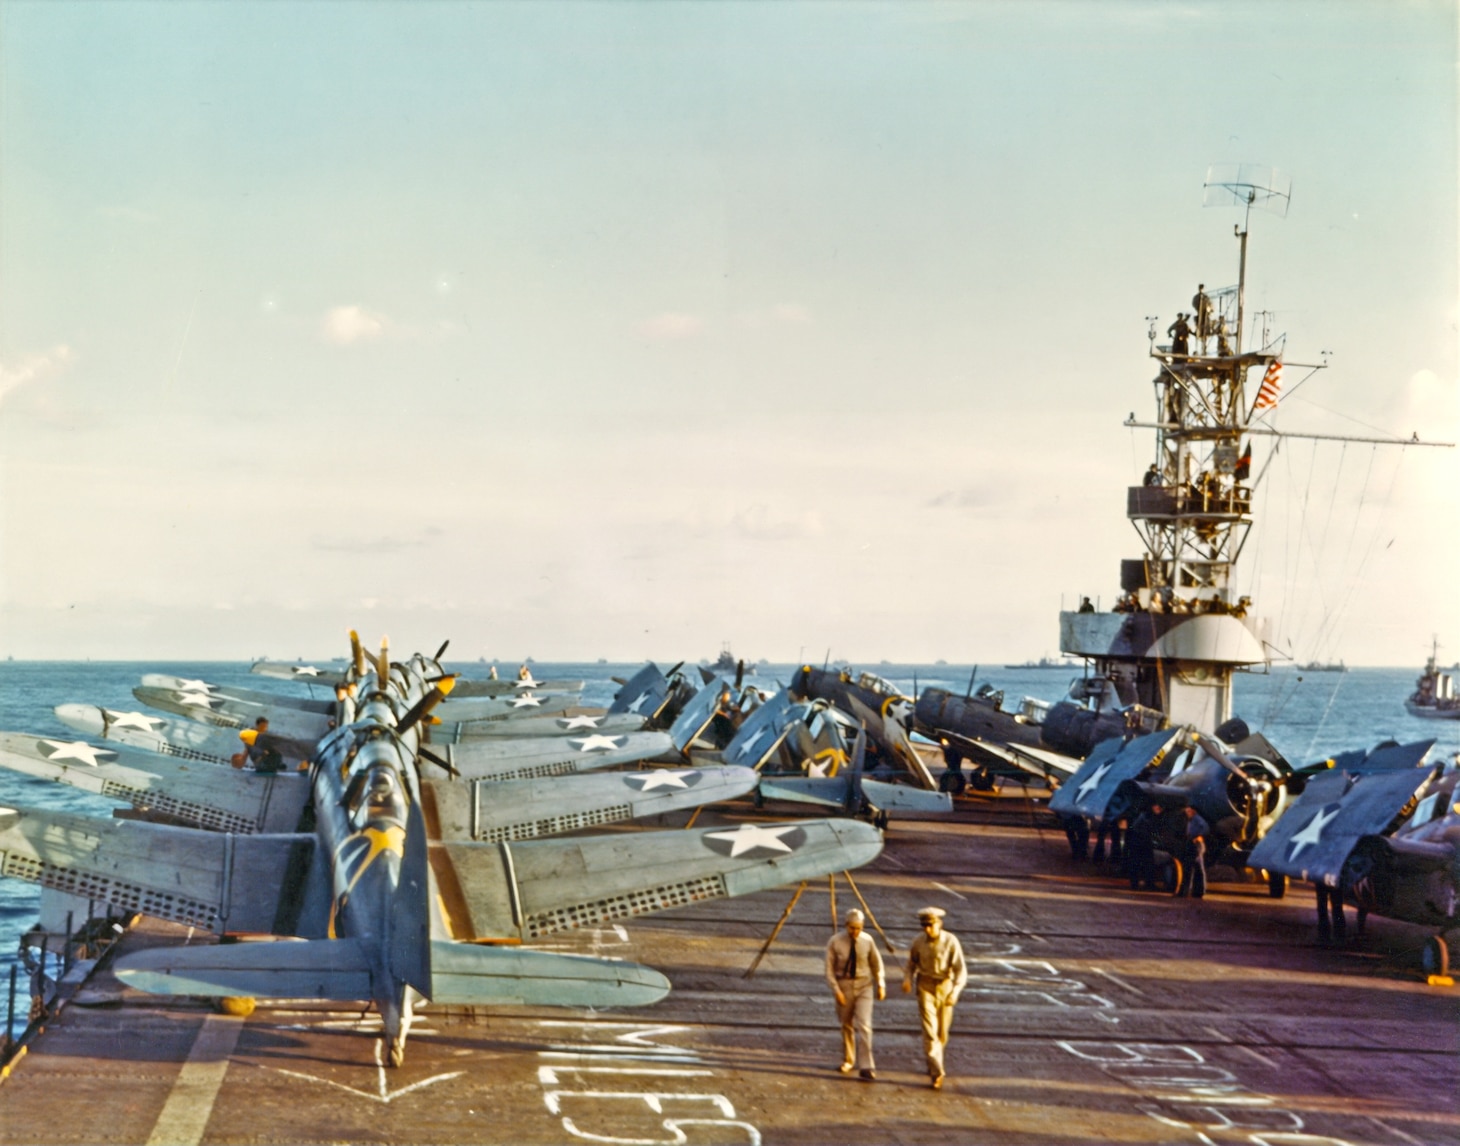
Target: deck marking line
{"x":1394,"y":1130}
{"x":189,"y":1104}
{"x":1120,"y":982}
{"x":950,"y":891}
{"x":1216,"y":1034}
{"x":1262,"y":1058}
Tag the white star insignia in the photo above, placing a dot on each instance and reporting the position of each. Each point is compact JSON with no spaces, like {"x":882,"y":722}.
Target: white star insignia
{"x":77,"y":750}
{"x":652,"y":780}
{"x":526,"y":702}
{"x":754,"y":740}
{"x":134,"y":720}
{"x":305,"y":670}
{"x":1311,"y":832}
{"x":1094,"y":781}
{"x":593,"y":743}
{"x":200,"y":699}
{"x":571,"y":722}
{"x":193,"y":686}
{"x":528,"y":683}
{"x":747,"y":837}
{"x":638,"y":703}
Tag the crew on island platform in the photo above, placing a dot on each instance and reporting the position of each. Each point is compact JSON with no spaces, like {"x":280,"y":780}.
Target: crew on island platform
{"x":1153,"y":476}
{"x":1180,"y":334}
{"x":1202,"y":304}
{"x":1085,"y":606}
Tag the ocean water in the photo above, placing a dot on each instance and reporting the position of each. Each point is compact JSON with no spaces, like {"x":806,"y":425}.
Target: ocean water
{"x":1307,"y":716}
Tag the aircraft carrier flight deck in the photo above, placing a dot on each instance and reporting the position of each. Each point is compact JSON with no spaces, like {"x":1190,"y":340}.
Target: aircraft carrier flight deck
{"x":1092,"y":1014}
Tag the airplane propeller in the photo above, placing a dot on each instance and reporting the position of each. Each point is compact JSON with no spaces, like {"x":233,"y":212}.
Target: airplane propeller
{"x":357,"y":654}
{"x":423,"y":706}
{"x":440,"y":762}
{"x":382,"y":664}
{"x":441,"y":651}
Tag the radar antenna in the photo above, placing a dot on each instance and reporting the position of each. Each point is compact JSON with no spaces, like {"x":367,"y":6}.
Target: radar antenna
{"x":1246,"y":185}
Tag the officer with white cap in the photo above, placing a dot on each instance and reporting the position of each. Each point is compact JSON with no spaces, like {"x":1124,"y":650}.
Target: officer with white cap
{"x":854,"y":970}
{"x":935,"y":967}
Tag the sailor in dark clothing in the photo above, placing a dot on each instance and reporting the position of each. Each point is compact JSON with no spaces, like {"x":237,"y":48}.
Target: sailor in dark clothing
{"x":1179,"y":333}
{"x":1107,"y":829}
{"x":1085,"y":606}
{"x":1140,"y":848}
{"x":1194,"y":871}
{"x":1330,"y":899}
{"x":1077,"y":831}
{"x":1153,"y":476}
{"x":1203,"y":307}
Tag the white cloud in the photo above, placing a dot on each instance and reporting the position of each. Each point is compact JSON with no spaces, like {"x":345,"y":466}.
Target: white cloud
{"x":670,"y":325}
{"x":345,"y":325}
{"x":32,"y":368}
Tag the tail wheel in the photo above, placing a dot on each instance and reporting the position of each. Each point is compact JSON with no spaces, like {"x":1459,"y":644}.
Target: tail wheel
{"x":1435,"y":958}
{"x":1277,"y":885}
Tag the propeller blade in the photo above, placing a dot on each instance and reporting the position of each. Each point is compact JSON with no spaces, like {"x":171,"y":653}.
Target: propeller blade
{"x":441,"y":651}
{"x":446,"y":765}
{"x":382,"y":665}
{"x":357,"y":654}
{"x":421,"y":708}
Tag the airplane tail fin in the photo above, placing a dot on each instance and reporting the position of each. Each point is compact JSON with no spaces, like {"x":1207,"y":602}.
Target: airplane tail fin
{"x":465,"y":974}
{"x":410,"y":913}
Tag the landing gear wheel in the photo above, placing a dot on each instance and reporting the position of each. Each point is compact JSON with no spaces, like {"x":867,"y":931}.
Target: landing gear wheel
{"x":1277,"y":885}
{"x":240,"y":1005}
{"x":1435,"y":958}
{"x":396,"y":1054}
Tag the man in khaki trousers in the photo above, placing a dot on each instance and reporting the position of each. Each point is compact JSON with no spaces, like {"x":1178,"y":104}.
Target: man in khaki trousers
{"x":854,"y":971}
{"x":935,"y":966}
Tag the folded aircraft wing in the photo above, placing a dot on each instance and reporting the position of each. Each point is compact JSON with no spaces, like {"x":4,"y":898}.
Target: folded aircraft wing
{"x":222,"y":712}
{"x":202,"y":688}
{"x":199,"y":794}
{"x":493,"y":810}
{"x":1315,"y":835}
{"x":1110,"y":763}
{"x":462,"y":974}
{"x":497,"y":759}
{"x":643,"y":694}
{"x":564,"y":723}
{"x":541,"y":886}
{"x":181,"y":738}
{"x":762,"y":731}
{"x":283,"y":670}
{"x":213,"y":880}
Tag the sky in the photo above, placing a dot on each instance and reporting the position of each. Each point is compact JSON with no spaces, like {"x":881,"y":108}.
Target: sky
{"x":627,"y":330}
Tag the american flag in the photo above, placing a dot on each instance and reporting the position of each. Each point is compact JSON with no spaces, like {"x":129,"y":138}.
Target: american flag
{"x":1267,"y":393}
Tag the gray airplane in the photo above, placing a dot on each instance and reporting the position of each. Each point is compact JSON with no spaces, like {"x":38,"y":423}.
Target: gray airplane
{"x":388,"y":914}
{"x":1239,"y":789}
{"x":878,"y":706}
{"x":802,"y":753}
{"x":1381,"y":830}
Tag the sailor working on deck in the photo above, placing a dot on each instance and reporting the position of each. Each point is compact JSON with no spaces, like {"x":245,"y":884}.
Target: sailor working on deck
{"x":854,"y":971}
{"x":1330,"y":899}
{"x":1194,"y":873}
{"x":524,"y":673}
{"x":1140,"y":848}
{"x":1085,"y":606}
{"x":935,"y":966}
{"x":259,"y":750}
{"x":1180,"y":333}
{"x":1153,"y":476}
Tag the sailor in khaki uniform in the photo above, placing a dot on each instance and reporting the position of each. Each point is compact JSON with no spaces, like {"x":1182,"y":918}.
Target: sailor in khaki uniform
{"x":936,"y":968}
{"x":854,"y":971}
